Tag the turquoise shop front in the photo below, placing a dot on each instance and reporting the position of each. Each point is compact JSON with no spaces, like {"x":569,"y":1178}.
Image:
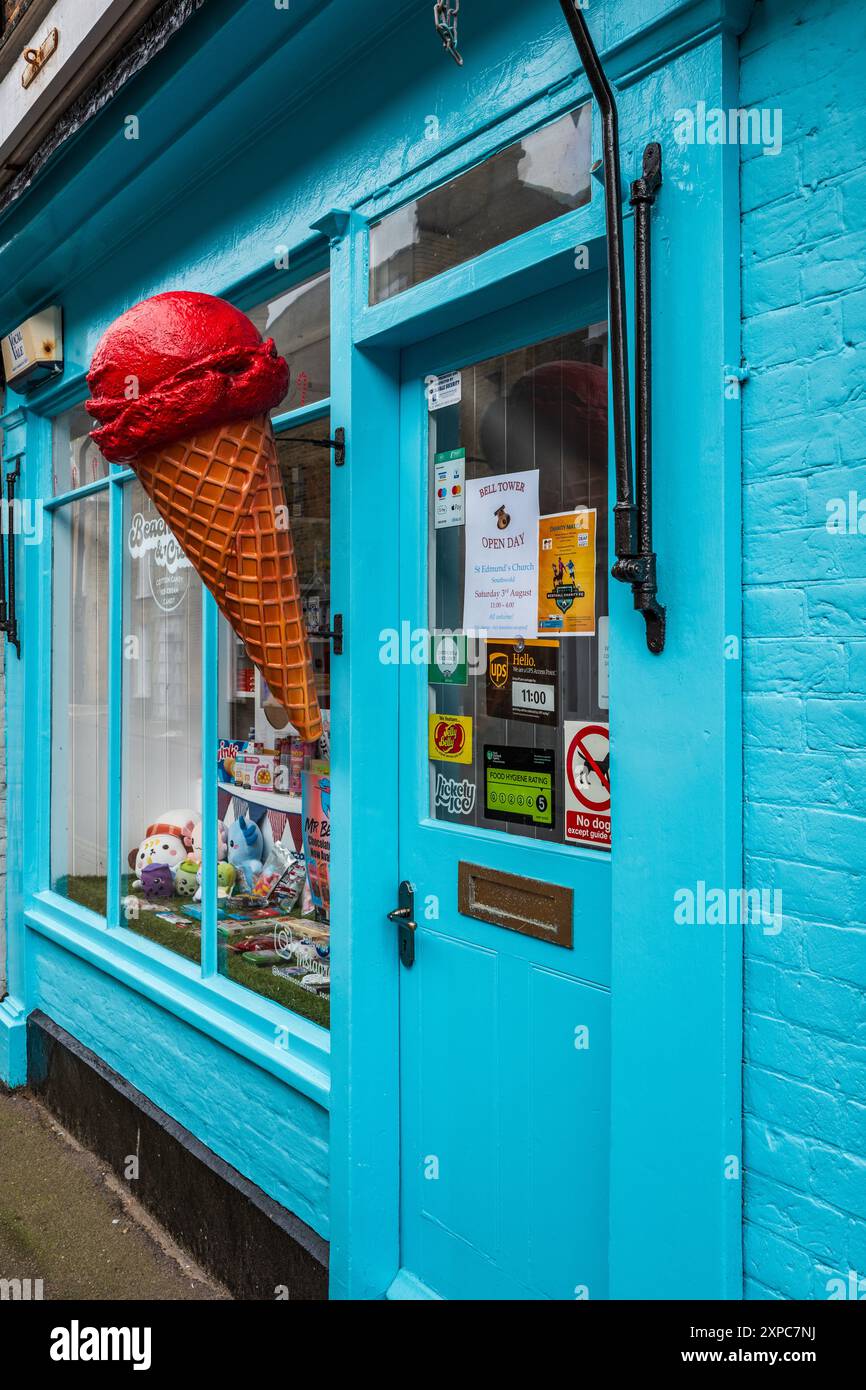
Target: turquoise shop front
{"x":535,"y":1093}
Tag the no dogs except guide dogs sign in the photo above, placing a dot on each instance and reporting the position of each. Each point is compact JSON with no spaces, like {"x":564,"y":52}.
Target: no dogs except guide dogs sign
{"x":587,"y":784}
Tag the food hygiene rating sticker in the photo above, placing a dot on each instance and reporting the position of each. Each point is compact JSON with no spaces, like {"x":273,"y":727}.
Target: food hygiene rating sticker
{"x":519,"y":784}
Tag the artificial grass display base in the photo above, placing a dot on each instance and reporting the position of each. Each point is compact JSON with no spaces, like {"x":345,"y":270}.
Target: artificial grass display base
{"x":90,"y":892}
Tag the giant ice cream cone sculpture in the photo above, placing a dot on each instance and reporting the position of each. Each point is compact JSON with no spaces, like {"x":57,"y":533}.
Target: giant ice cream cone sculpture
{"x":182,"y":385}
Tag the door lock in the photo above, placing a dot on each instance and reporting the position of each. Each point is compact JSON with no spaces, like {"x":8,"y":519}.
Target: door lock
{"x":403,"y":916}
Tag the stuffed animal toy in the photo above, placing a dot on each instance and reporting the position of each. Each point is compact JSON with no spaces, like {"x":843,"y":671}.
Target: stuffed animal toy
{"x":163,"y":844}
{"x":185,"y":879}
{"x":226,"y":880}
{"x":193,"y":839}
{"x":245,"y":846}
{"x":156,"y":881}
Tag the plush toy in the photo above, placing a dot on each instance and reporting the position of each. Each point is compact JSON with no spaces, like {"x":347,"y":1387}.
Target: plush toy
{"x":162,"y":844}
{"x":185,"y":879}
{"x":156,"y":881}
{"x":226,"y":880}
{"x":193,"y":839}
{"x":245,"y":846}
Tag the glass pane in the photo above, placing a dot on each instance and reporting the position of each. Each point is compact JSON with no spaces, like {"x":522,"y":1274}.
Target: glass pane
{"x":161,"y":761}
{"x":517,"y":706}
{"x":273,"y":798}
{"x":79,"y":724}
{"x":299,"y":321}
{"x":531,"y":182}
{"x":76,"y":459}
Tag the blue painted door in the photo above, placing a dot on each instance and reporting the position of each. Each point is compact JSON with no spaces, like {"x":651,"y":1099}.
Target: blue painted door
{"x":504,"y":1035}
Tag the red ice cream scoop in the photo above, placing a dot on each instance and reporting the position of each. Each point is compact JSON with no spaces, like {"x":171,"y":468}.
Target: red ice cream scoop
{"x":174,"y":365}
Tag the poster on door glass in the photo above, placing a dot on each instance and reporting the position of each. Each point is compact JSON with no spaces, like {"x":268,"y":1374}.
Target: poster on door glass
{"x":517,"y":594}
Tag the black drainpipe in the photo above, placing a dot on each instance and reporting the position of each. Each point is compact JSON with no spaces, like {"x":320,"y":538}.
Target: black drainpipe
{"x":635,"y":559}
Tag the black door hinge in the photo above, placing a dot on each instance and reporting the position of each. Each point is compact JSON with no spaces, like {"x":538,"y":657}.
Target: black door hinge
{"x":333,"y":634}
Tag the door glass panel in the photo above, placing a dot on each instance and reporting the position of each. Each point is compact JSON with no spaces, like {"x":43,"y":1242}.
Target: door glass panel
{"x":518,"y":590}
{"x":79,"y":725}
{"x":273,"y":795}
{"x":161,"y":724}
{"x":533,"y":181}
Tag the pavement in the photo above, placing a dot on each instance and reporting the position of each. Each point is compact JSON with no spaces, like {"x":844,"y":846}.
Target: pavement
{"x":67,"y":1220}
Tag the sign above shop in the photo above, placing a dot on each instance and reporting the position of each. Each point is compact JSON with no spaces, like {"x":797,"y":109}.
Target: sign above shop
{"x":33,"y":352}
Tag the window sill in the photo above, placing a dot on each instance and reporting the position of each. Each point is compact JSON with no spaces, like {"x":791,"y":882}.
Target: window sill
{"x":290,"y":1047}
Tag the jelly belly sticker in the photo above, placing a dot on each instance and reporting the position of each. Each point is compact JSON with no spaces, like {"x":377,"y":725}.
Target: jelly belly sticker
{"x":587,"y":784}
{"x":566,"y":573}
{"x":449,"y":738}
{"x":443,"y":390}
{"x":500,"y":585}
{"x":521,"y":680}
{"x":519,"y":784}
{"x":449,"y":488}
{"x":447,"y":664}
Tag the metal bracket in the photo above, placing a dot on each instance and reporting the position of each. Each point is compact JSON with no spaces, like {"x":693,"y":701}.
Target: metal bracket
{"x":338,"y":443}
{"x":636,"y":562}
{"x":330,"y":634}
{"x":8,"y":616}
{"x":36,"y":58}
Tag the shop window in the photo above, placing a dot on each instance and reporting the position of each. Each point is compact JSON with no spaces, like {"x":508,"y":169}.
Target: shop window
{"x":299,"y":321}
{"x":525,"y":185}
{"x":76,"y":460}
{"x":161,"y":726}
{"x":79,"y":725}
{"x":273,"y":788}
{"x":518,"y":693}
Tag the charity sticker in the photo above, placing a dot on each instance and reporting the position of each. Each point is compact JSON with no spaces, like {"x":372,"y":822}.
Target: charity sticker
{"x":522,"y":679}
{"x":587,"y":783}
{"x":443,"y":390}
{"x":519,"y":784}
{"x":449,"y":488}
{"x":566,"y":573}
{"x":448,"y":662}
{"x":449,"y":738}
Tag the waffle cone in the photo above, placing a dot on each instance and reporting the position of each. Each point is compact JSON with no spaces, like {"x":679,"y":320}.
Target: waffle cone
{"x":220,"y":493}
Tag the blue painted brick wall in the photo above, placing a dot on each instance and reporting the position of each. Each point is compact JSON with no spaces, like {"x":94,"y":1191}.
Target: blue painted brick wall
{"x":804,"y":444}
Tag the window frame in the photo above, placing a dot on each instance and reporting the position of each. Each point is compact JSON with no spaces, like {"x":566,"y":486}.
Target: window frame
{"x":268,"y":1033}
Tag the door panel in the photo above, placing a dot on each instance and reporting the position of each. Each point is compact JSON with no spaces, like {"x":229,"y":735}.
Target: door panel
{"x":504,"y":1033}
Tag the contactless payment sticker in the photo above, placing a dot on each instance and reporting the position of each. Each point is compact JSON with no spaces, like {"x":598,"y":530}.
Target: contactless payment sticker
{"x":449,"y":488}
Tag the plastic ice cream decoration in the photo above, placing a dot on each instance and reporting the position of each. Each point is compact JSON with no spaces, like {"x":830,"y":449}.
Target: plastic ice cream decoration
{"x":181,"y":388}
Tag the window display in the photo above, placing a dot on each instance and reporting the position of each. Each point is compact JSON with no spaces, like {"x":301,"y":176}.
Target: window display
{"x":517,"y":681}
{"x":161,"y":727}
{"x":274,"y":785}
{"x":79,"y":724}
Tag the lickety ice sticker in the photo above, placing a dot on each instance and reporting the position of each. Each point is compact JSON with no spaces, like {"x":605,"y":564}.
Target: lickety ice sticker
{"x":454,"y":795}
